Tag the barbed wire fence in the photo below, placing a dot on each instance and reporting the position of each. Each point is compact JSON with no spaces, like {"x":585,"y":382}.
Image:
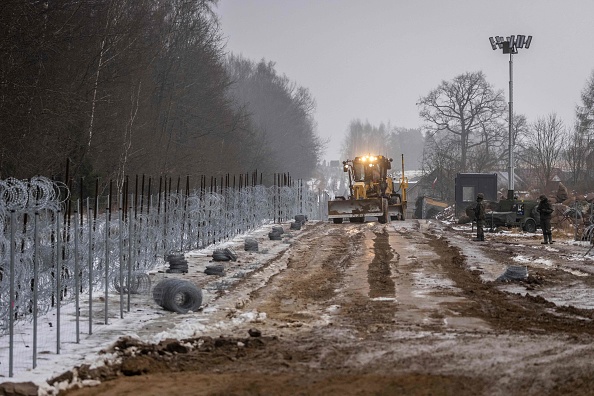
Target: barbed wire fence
{"x":57,"y":253}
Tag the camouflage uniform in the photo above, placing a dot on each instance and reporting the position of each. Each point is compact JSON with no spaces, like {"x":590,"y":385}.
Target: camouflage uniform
{"x":546,"y":210}
{"x":479,"y":214}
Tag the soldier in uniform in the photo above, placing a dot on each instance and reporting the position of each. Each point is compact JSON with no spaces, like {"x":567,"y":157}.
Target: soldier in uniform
{"x":479,"y":214}
{"x":546,"y":210}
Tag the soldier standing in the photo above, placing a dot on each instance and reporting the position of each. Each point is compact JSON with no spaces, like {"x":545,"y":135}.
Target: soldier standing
{"x":546,"y":210}
{"x":479,"y":214}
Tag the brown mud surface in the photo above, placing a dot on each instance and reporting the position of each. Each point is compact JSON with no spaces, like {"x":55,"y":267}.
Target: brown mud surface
{"x":377,"y":309}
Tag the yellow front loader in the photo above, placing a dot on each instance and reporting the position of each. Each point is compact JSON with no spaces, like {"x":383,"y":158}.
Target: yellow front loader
{"x":371,"y":190}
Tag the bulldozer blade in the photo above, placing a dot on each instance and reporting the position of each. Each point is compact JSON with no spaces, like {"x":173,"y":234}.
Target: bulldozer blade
{"x":354,"y":208}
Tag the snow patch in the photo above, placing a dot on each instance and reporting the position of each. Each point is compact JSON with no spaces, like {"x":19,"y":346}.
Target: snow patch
{"x":383,"y":299}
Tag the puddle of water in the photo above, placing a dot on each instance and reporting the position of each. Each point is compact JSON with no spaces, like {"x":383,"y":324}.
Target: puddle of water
{"x":465,"y":323}
{"x":431,"y":281}
{"x":383,"y":299}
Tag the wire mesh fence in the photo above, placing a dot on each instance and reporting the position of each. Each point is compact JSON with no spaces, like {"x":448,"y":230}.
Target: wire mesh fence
{"x":54,"y":260}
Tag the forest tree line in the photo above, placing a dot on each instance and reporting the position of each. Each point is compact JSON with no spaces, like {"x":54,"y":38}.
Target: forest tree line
{"x":142,"y":87}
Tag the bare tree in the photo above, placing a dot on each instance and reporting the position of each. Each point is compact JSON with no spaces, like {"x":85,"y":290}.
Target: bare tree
{"x":543,"y":147}
{"x":442,"y":163}
{"x":575,"y":155}
{"x":462,"y":110}
{"x":585,"y":128}
{"x":487,"y":155}
{"x":585,"y":112}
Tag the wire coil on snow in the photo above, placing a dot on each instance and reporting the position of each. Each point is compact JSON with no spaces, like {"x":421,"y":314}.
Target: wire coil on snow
{"x":224,"y":255}
{"x":250,"y":245}
{"x":217,"y":269}
{"x":140,"y":283}
{"x":300,"y":218}
{"x":177,"y":295}
{"x":177,"y":264}
{"x":588,"y":234}
{"x":276,"y":233}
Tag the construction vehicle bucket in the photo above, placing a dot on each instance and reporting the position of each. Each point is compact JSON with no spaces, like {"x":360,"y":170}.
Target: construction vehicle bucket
{"x":355,"y":208}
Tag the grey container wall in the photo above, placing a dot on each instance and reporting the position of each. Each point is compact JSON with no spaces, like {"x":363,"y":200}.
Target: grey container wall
{"x":468,"y":185}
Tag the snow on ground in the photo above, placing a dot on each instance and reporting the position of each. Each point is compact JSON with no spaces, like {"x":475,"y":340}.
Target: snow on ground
{"x":146,"y":320}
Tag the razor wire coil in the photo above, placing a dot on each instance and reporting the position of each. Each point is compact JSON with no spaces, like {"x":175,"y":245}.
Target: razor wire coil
{"x":169,"y":223}
{"x":178,"y":295}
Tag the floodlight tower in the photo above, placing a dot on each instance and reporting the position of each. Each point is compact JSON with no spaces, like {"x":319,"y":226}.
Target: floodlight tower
{"x":510,"y":46}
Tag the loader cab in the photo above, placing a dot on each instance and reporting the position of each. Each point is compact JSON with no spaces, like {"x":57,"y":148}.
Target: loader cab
{"x":371,"y":169}
{"x":358,"y":171}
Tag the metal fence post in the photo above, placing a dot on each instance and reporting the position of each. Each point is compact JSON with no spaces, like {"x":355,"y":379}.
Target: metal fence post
{"x":121,"y":257}
{"x":11,"y":298}
{"x":58,"y":279}
{"x":35,"y":284}
{"x":90,"y":264}
{"x":76,"y":275}
{"x":106,"y":269}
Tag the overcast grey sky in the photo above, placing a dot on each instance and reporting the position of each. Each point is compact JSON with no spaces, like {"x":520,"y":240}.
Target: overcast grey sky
{"x":373,"y":59}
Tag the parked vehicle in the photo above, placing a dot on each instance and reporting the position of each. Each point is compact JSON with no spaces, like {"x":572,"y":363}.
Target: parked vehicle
{"x":511,"y":213}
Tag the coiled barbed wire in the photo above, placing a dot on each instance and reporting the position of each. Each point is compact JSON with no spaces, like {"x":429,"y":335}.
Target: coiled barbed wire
{"x":37,"y":193}
{"x":179,"y":223}
{"x":177,"y":295}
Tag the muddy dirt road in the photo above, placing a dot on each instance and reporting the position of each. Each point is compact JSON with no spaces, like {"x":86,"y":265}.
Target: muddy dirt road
{"x":409,"y":308}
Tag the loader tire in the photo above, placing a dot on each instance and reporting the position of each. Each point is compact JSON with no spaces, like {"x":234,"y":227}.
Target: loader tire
{"x":337,"y":221}
{"x":385,"y":217}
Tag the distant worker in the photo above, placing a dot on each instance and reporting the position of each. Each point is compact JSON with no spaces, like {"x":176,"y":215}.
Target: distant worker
{"x":546,"y":210}
{"x":479,"y":214}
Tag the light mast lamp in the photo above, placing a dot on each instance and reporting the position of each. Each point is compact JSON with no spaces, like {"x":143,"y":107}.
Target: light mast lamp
{"x":510,"y":45}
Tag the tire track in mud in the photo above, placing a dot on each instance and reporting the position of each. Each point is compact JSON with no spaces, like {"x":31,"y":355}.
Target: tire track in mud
{"x":379,"y":274}
{"x":315,"y":269}
{"x":372,"y":314}
{"x":503,"y":310}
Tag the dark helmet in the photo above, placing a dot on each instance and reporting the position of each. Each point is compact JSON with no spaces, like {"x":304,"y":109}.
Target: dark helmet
{"x":543,"y":197}
{"x":480,"y":196}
